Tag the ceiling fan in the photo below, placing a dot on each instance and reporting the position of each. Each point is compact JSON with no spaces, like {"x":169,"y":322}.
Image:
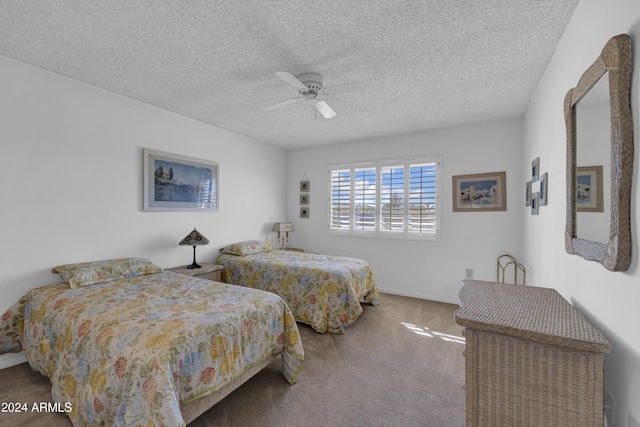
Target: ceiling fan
{"x":311,"y":89}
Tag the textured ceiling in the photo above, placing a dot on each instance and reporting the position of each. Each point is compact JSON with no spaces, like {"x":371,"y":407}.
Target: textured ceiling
{"x":426,"y":63}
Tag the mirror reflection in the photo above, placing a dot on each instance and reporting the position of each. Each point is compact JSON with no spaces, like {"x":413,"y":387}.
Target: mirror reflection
{"x":593,"y":161}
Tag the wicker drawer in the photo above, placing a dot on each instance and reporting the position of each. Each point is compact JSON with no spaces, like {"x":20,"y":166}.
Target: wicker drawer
{"x":207,"y":271}
{"x":213,"y":275}
{"x":530,"y":358}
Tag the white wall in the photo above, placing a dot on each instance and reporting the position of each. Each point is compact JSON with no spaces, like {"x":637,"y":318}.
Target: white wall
{"x":425,"y":269}
{"x":610,"y":300}
{"x":71,"y":180}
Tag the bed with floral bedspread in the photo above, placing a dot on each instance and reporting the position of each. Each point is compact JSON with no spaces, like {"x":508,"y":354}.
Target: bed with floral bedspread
{"x":323,"y":291}
{"x":130,"y":351}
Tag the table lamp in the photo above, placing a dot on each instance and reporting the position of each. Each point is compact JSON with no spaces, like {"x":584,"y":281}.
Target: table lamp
{"x":194,"y":239}
{"x":283,"y":227}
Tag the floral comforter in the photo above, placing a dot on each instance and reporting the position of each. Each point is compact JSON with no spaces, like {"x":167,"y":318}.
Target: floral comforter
{"x":323,"y":291}
{"x":127,"y":352}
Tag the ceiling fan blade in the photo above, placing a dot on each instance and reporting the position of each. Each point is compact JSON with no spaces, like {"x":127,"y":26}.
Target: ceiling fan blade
{"x":345,"y":88}
{"x":281,"y":104}
{"x":289,"y":78}
{"x":324,"y":109}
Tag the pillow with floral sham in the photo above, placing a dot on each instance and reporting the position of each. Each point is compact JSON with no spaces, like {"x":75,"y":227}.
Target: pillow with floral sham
{"x":247,"y":248}
{"x":89,"y":273}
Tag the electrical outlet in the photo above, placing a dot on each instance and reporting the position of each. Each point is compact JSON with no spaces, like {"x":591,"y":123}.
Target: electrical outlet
{"x":633,"y":421}
{"x":609,"y":407}
{"x":469,"y":273}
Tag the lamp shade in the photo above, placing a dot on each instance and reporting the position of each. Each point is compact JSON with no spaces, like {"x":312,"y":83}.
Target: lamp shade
{"x":194,"y":239}
{"x":283,"y":226}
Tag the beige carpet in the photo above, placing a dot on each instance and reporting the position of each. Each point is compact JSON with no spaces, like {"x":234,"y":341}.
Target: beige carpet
{"x":399,"y":364}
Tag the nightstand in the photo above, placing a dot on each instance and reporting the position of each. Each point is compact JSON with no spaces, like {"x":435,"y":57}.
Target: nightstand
{"x":294,"y":249}
{"x":207,"y":271}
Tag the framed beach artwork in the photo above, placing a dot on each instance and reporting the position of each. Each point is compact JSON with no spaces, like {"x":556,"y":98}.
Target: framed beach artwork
{"x":178,"y":183}
{"x":589,"y":196}
{"x":480,"y":192}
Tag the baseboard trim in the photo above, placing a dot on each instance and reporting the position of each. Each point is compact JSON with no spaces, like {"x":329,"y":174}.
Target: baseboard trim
{"x":412,"y":295}
{"x":11,"y":359}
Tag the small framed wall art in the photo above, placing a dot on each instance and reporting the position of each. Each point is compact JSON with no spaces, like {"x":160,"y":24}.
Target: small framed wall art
{"x":527,"y":193}
{"x":305,"y":187}
{"x":535,"y":203}
{"x":543,"y":189}
{"x":535,"y":169}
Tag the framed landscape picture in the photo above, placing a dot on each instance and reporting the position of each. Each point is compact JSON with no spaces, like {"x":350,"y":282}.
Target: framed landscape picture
{"x":589,"y":196}
{"x":480,"y":192}
{"x":179,"y":183}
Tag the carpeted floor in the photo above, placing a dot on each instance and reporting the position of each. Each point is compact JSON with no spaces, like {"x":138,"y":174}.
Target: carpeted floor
{"x":399,"y":364}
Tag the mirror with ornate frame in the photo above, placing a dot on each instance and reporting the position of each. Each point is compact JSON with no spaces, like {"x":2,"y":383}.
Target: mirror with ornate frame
{"x":615,"y":63}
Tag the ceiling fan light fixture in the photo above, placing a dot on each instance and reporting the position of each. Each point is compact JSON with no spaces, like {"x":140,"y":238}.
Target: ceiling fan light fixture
{"x":311,"y":88}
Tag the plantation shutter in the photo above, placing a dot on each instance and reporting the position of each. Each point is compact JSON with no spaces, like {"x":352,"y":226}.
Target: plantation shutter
{"x":390,"y":198}
{"x":341,"y":199}
{"x":422,"y":198}
{"x":364,"y":199}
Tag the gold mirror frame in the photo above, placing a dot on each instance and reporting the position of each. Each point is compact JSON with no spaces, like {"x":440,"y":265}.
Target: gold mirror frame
{"x":615,"y":59}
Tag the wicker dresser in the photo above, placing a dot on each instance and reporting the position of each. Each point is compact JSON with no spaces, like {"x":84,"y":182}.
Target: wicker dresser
{"x":531,"y":358}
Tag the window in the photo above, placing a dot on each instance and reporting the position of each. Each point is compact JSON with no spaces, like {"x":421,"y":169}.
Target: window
{"x":390,"y":198}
